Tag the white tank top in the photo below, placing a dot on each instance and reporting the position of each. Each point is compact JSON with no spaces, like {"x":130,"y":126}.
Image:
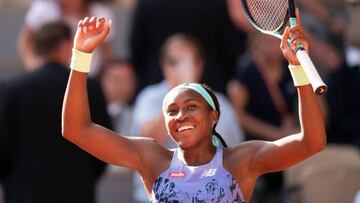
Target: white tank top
{"x":196,"y":184}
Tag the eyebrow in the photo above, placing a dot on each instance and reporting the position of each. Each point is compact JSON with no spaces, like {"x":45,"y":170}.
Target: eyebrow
{"x":186,"y":101}
{"x":190,"y":99}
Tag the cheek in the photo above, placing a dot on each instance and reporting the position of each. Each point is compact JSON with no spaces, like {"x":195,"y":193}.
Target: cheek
{"x":169,"y":123}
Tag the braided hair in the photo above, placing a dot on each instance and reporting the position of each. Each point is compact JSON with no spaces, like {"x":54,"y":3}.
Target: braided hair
{"x":217,"y":107}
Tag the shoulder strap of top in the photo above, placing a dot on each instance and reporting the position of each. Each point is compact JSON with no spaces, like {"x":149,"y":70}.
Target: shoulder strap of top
{"x":217,"y":160}
{"x":175,"y":161}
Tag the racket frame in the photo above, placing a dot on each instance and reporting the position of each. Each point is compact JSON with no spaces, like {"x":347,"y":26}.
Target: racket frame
{"x":317,"y":84}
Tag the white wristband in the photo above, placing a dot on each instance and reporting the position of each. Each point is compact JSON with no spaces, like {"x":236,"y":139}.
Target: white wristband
{"x":299,"y":76}
{"x":80,"y":61}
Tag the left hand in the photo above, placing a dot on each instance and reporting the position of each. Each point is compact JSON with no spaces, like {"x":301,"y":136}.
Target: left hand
{"x":296,"y":36}
{"x":90,"y":33}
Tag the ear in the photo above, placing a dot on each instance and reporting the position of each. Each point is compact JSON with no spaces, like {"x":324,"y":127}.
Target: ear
{"x":214,"y":117}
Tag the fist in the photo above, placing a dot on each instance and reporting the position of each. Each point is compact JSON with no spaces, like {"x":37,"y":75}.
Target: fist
{"x":90,"y":33}
{"x":296,"y":37}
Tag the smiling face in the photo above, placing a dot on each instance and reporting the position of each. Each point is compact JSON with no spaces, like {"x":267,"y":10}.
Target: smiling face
{"x":188,"y":117}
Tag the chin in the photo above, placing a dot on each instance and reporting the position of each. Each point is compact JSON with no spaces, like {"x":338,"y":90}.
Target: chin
{"x":187,"y":144}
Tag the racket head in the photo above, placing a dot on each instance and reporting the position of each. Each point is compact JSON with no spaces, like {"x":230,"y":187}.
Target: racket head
{"x":267,"y":16}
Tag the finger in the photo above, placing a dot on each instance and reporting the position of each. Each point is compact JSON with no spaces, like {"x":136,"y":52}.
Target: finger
{"x":86,"y":21}
{"x":297,"y":36}
{"x":92,"y":22}
{"x":295,"y":29}
{"x":80,"y":26}
{"x":85,"y":24}
{"x":284,"y":39}
{"x":297,"y":14}
{"x":100,"y":23}
{"x":106,"y":30}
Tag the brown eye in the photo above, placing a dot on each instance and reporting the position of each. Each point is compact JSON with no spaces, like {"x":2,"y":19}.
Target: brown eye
{"x":191,"y":106}
{"x":171,"y":112}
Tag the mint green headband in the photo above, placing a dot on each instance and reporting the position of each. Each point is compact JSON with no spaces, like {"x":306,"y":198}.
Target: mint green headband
{"x":199,"y":89}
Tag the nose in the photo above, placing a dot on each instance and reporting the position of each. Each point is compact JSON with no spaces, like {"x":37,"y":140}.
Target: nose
{"x":181,"y":116}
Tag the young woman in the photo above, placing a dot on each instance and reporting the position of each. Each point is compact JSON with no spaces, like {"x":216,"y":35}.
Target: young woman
{"x":200,"y":169}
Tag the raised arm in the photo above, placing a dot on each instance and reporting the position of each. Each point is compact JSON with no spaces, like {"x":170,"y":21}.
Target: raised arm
{"x":274,"y":156}
{"x":77,"y":125}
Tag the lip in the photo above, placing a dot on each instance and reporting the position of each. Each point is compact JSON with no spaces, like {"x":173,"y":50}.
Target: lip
{"x":184,"y":128}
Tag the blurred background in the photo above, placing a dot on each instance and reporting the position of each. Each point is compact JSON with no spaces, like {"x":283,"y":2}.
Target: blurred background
{"x":137,"y":62}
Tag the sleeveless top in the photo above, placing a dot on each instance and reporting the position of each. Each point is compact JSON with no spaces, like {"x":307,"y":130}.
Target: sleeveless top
{"x":208,"y":183}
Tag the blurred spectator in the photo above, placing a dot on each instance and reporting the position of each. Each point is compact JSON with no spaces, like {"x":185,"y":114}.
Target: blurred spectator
{"x":325,"y":20}
{"x":357,"y":197}
{"x":118,"y":80}
{"x":68,"y":11}
{"x":182,"y":61}
{"x":39,"y":166}
{"x":207,"y":20}
{"x":237,"y":16}
{"x":264,"y":96}
{"x":262,"y":91}
{"x":3,"y":139}
{"x":343,"y":96}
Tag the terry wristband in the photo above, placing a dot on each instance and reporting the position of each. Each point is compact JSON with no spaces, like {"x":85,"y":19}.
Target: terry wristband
{"x":299,"y":76}
{"x":80,"y":61}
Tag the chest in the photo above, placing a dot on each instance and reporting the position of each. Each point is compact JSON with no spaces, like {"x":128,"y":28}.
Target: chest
{"x":196,"y":185}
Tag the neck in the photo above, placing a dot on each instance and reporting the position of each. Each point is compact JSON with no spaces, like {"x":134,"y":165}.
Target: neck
{"x":197,"y":156}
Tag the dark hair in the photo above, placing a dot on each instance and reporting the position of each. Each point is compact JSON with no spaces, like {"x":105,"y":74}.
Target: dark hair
{"x":181,"y":37}
{"x":49,"y":37}
{"x":217,"y":107}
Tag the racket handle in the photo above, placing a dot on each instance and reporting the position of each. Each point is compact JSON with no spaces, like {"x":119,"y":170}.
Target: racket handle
{"x":318,"y":85}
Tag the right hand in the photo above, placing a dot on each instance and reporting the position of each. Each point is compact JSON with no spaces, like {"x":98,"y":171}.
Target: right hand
{"x":296,"y":35}
{"x":90,"y":33}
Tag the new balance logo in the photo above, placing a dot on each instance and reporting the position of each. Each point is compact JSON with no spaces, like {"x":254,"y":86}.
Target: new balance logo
{"x":208,"y":173}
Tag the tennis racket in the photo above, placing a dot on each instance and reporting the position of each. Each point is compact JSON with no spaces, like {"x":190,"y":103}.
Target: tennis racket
{"x":270,"y":17}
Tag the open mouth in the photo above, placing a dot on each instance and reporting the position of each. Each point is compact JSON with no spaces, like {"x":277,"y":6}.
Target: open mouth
{"x":185,"y":128}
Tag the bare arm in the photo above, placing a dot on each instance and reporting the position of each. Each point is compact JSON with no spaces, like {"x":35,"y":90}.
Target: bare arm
{"x":266,"y":157}
{"x":285,"y":152}
{"x":76,"y":120}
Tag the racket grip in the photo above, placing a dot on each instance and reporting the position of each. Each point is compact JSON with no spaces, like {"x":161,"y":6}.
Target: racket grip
{"x":318,"y":85}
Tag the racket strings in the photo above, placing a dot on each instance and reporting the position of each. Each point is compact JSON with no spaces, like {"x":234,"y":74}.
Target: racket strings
{"x":268,"y":15}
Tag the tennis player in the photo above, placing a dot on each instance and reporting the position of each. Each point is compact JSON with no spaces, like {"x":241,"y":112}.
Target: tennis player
{"x":201,"y":168}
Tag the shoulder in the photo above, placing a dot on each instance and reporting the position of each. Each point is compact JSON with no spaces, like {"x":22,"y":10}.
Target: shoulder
{"x":238,"y":158}
{"x":155,"y":157}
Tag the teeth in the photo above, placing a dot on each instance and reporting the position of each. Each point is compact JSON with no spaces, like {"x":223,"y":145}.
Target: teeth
{"x":185,"y":128}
